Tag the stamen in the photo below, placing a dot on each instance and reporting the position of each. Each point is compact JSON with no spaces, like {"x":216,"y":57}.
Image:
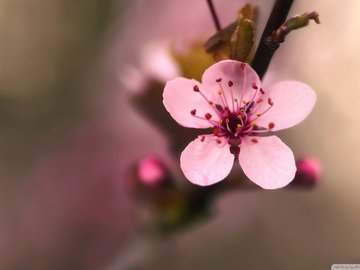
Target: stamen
{"x":271,"y":125}
{"x":254,"y":85}
{"x":237,"y":105}
{"x":219,"y":108}
{"x":254,"y":140}
{"x":258,"y":114}
{"x":223,"y":96}
{"x":208,"y":116}
{"x":227,"y":125}
{"x":253,"y":124}
{"x":193,"y":112}
{"x":218,"y":80}
{"x":230,"y":83}
{"x":197,"y":89}
{"x":262,"y":91}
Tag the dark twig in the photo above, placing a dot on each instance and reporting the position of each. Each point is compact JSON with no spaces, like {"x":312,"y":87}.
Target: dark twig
{"x":214,"y":16}
{"x":264,"y":53}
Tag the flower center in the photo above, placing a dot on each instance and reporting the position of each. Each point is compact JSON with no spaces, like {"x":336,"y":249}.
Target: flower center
{"x":237,"y":116}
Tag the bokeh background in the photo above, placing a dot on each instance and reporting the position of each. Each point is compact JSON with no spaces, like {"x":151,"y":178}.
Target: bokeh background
{"x":69,"y":133}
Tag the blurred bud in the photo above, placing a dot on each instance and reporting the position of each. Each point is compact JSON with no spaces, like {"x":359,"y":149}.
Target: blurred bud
{"x":158,"y":63}
{"x":133,"y":79}
{"x":309,"y":171}
{"x":151,"y":171}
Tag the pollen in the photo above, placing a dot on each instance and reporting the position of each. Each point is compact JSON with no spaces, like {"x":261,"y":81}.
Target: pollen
{"x":239,"y":126}
{"x":253,"y":123}
{"x":227,"y":120}
{"x":239,"y":116}
{"x":220,"y":122}
{"x":244,"y":101}
{"x":219,"y":92}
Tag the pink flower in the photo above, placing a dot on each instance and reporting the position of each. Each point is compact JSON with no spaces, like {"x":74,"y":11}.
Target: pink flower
{"x":231,"y":101}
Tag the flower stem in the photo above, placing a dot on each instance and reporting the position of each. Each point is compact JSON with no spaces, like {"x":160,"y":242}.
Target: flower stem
{"x":214,"y":16}
{"x":264,"y":53}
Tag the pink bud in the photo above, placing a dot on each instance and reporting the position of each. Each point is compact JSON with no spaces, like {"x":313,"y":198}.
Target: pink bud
{"x":151,"y":171}
{"x":309,"y":169}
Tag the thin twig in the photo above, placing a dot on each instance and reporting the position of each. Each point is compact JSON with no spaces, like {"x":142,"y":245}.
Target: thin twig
{"x":264,"y":53}
{"x":214,"y":16}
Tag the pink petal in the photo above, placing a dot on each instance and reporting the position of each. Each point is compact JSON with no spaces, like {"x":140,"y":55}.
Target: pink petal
{"x":268,"y":162}
{"x":206,"y":162}
{"x":180,"y":99}
{"x":239,"y":75}
{"x":293,"y":101}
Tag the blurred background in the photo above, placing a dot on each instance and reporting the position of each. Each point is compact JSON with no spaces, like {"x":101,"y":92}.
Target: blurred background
{"x":70,"y":134}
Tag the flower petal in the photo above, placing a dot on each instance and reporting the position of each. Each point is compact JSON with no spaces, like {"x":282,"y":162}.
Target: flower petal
{"x":268,"y":162}
{"x":206,"y":161}
{"x":180,"y":99}
{"x":237,"y":79}
{"x":293,"y":101}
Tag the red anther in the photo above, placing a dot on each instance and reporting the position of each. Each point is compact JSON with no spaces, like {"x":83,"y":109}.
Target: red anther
{"x":196,"y":88}
{"x":254,"y":85}
{"x":193,"y":112}
{"x":218,"y":141}
{"x":227,"y":109}
{"x":208,"y":116}
{"x":254,"y":140}
{"x":242,"y":66}
{"x":259,"y":100}
{"x":271,"y":125}
{"x":270,"y":102}
{"x":219,"y":108}
{"x":211,"y":103}
{"x":202,"y":138}
{"x":230,"y":83}
{"x":218,"y":80}
{"x":262,"y":91}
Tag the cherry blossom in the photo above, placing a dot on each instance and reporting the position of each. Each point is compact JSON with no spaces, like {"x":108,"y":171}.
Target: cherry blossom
{"x":242,"y":115}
